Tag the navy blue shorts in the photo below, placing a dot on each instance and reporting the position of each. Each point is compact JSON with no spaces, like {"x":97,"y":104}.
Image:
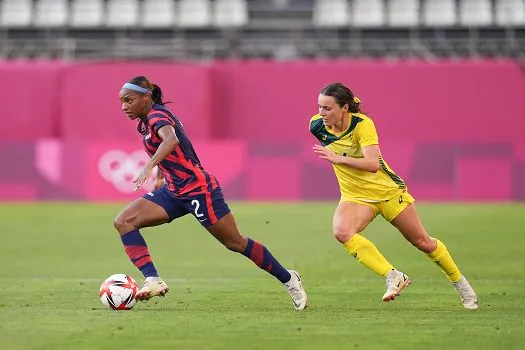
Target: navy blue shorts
{"x":207,"y":207}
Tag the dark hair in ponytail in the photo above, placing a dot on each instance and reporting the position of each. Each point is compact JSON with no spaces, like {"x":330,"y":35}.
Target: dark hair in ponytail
{"x":156,"y":92}
{"x":343,"y":96}
{"x":156,"y":95}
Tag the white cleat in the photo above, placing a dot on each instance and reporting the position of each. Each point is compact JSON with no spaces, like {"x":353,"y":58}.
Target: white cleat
{"x":466,"y":293}
{"x":152,"y":288}
{"x":296,"y":291}
{"x":396,"y":281}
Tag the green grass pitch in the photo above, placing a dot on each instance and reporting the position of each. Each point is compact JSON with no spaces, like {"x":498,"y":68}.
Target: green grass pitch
{"x":54,"y":256}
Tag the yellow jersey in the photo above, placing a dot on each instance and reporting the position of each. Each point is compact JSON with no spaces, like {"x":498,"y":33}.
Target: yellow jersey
{"x":355,"y":183}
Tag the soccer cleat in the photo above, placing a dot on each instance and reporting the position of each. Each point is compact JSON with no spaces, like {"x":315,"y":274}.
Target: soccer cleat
{"x":296,"y":291}
{"x":152,"y":289}
{"x":395,"y":282}
{"x":466,"y":293}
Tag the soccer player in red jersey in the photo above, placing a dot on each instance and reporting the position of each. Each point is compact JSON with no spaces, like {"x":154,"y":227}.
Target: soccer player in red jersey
{"x":182,"y":186}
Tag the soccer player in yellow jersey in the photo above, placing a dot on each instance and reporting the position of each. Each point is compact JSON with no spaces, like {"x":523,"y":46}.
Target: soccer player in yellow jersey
{"x":370,"y":187}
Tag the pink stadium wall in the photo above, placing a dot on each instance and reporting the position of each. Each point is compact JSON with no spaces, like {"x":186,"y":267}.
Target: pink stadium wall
{"x":31,"y":100}
{"x":452,"y":130}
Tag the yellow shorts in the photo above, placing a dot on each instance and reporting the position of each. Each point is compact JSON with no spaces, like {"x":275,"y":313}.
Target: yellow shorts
{"x":389,"y":209}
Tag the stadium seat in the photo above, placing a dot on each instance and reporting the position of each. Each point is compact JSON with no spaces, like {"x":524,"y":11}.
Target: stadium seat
{"x":122,"y":13}
{"x":51,"y":13}
{"x":439,"y":13}
{"x":280,"y":3}
{"x":331,"y":13}
{"x":368,"y":13}
{"x":16,"y":13}
{"x":230,"y":13}
{"x":475,"y":12}
{"x":158,"y":13}
{"x":510,"y":12}
{"x":403,"y":13}
{"x":87,"y":13}
{"x":194,"y":13}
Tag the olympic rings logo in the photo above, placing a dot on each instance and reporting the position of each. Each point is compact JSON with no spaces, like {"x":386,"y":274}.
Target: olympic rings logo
{"x":121,"y":168}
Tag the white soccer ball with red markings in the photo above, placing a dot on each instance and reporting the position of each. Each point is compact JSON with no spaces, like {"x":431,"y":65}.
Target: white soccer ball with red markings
{"x":118,"y":292}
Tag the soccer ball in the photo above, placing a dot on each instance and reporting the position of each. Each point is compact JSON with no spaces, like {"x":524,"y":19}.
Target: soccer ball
{"x":118,"y":292}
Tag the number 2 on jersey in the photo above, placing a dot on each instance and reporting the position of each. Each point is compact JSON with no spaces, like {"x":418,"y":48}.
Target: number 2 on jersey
{"x":197,"y":206}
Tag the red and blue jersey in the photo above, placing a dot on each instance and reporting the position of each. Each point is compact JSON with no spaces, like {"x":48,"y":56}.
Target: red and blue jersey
{"x":182,"y":169}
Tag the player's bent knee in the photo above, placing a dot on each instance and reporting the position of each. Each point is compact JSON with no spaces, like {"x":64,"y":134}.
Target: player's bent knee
{"x":425,"y":244}
{"x":124,"y":223}
{"x":343,"y":234}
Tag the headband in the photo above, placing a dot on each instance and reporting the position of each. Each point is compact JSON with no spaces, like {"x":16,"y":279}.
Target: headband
{"x":137,"y":88}
{"x":356,"y":100}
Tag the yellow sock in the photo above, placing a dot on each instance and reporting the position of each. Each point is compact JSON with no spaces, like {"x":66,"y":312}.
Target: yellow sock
{"x":367,"y":254}
{"x":442,"y":257}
